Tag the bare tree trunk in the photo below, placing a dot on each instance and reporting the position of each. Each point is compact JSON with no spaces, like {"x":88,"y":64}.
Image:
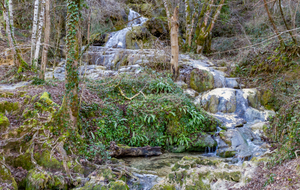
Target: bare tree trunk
{"x":46,"y":41}
{"x":18,"y":60}
{"x":39,"y":35}
{"x":34,"y":28}
{"x":285,"y":23}
{"x":274,"y":26}
{"x":58,"y":29}
{"x":11,"y":17}
{"x":8,"y":32}
{"x":174,"y":44}
{"x":167,"y":12}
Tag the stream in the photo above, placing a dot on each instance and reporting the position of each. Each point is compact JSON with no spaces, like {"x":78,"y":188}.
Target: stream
{"x":238,"y":109}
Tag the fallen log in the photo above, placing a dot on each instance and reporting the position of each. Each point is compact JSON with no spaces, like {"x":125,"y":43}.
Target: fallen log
{"x":124,"y":150}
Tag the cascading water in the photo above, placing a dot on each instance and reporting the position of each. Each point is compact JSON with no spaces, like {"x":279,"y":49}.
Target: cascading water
{"x":118,"y":39}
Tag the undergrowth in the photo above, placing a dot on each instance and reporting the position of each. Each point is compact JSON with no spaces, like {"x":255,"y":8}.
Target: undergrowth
{"x":144,"y":110}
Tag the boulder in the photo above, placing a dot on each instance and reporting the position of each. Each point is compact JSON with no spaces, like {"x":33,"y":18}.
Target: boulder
{"x":158,"y":28}
{"x":201,"y":80}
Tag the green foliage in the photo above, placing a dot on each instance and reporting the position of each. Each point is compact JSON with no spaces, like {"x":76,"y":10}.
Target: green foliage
{"x":163,"y":115}
{"x":285,"y":130}
{"x":37,"y":81}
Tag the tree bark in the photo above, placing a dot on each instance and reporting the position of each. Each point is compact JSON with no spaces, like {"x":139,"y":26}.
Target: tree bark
{"x":11,"y":17}
{"x":174,"y":44}
{"x":46,"y":41}
{"x":123,"y":150}
{"x":34,"y":28}
{"x":8,"y":32}
{"x":39,"y":35}
{"x":285,"y":23}
{"x":70,"y":105}
{"x":274,"y":26}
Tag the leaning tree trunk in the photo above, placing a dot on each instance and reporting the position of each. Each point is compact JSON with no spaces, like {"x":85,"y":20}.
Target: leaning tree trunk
{"x":34,"y":28}
{"x":70,"y":105}
{"x":274,"y":26}
{"x":46,"y":41}
{"x":174,"y":44}
{"x":39,"y":35}
{"x":285,"y":23}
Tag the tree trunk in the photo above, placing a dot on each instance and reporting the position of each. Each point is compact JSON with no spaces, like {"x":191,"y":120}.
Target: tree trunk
{"x":285,"y":23}
{"x":34,"y":28}
{"x":123,"y":150}
{"x":46,"y":41}
{"x":274,"y":26}
{"x":39,"y":35}
{"x":70,"y":105}
{"x":8,"y":31}
{"x":11,"y":17}
{"x":174,"y":44}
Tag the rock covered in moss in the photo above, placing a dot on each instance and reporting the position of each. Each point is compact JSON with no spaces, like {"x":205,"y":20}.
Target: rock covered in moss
{"x":9,"y":106}
{"x":39,"y":179}
{"x":139,"y":37}
{"x":7,"y":181}
{"x":4,"y":123}
{"x":157,"y":27}
{"x":201,"y":80}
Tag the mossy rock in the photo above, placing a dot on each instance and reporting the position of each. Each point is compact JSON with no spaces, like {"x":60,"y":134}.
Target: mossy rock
{"x":6,"y":177}
{"x":4,"y":123}
{"x":267,"y":99}
{"x":177,"y":177}
{"x":139,"y":36}
{"x":118,"y":185}
{"x":39,"y":179}
{"x":163,"y":187}
{"x":227,"y":153}
{"x":201,"y":80}
{"x":47,"y":161}
{"x":229,"y":176}
{"x":158,"y":28}
{"x":23,"y":160}
{"x":9,"y":106}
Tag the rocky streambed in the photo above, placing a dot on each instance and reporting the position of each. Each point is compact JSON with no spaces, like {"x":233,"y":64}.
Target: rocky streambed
{"x":235,"y":148}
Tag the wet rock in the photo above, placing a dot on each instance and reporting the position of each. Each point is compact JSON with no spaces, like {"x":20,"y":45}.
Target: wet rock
{"x":220,"y":100}
{"x":253,"y":97}
{"x":232,"y":83}
{"x":258,"y":128}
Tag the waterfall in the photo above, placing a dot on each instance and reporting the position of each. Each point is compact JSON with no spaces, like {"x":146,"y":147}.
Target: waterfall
{"x":118,"y":39}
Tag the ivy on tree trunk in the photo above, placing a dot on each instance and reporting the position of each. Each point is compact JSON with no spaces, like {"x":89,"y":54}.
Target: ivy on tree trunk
{"x":70,"y":105}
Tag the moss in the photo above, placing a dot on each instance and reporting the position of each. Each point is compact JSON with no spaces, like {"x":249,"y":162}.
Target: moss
{"x":45,"y":98}
{"x":118,"y":185}
{"x":227,"y":154}
{"x":39,"y":179}
{"x":23,"y":160}
{"x":267,"y":98}
{"x":4,"y":123}
{"x":163,"y":187}
{"x":9,"y":106}
{"x":6,"y":176}
{"x":201,"y":80}
{"x":49,"y":163}
{"x":229,"y":176}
